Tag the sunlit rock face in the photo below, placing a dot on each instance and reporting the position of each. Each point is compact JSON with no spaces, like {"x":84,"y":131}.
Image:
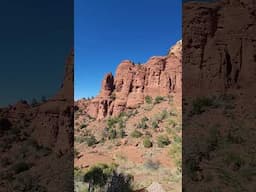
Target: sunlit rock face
{"x":159,"y":76}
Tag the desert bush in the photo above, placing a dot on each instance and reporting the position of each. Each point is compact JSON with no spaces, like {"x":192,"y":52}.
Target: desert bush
{"x":158,"y":99}
{"x":15,"y":131}
{"x":159,"y":117}
{"x":90,"y":140}
{"x":20,"y":167}
{"x":76,"y":153}
{"x":91,"y":118}
{"x":176,"y":151}
{"x":153,"y":165}
{"x":129,"y":113}
{"x":121,"y":133}
{"x":142,"y":125}
{"x":106,"y":178}
{"x":173,"y":113}
{"x":148,"y":99}
{"x":163,"y":141}
{"x":5,"y":161}
{"x":144,"y":119}
{"x":154,"y":125}
{"x":83,"y":126}
{"x":121,"y":124}
{"x":148,"y":134}
{"x":120,"y":182}
{"x":112,"y":134}
{"x":136,"y":134}
{"x":169,"y":130}
{"x":112,"y":121}
{"x":147,"y":143}
{"x":79,"y":139}
{"x":163,"y":115}
{"x":199,"y":105}
{"x":172,"y":122}
{"x":98,"y":175}
{"x":5,"y":124}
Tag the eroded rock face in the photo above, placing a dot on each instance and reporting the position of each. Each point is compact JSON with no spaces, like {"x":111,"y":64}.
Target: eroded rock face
{"x":53,"y":121}
{"x":218,"y":53}
{"x":159,"y":76}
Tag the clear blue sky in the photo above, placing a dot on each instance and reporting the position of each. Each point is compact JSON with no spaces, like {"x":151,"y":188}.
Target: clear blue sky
{"x":35,"y":42}
{"x":109,"y":31}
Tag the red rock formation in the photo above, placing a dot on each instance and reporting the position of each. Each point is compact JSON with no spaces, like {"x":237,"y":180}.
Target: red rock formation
{"x":218,"y":53}
{"x":159,"y":76}
{"x":219,"y":47}
{"x":44,"y":126}
{"x":53,"y":123}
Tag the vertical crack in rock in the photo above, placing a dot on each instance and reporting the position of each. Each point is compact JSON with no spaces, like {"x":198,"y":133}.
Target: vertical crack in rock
{"x":228,"y":67}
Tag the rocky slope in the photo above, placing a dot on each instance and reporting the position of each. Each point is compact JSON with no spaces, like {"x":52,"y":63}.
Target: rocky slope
{"x":159,"y":76}
{"x":218,"y":122}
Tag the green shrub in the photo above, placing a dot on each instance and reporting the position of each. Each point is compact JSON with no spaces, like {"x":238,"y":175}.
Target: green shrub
{"x":79,"y":139}
{"x":91,"y":118}
{"x":83,"y":126}
{"x":163,"y":141}
{"x":169,"y":130}
{"x":154,"y":165}
{"x":5,"y":124}
{"x":121,"y":124}
{"x":122,"y":114}
{"x":176,"y":151}
{"x":147,"y":143}
{"x":112,"y":134}
{"x":172,"y":122}
{"x":148,"y":99}
{"x":76,"y":153}
{"x":154,"y":125}
{"x":100,"y":178}
{"x":98,"y":174}
{"x":142,"y":125}
{"x":20,"y":167}
{"x":121,"y":133}
{"x":136,"y":134}
{"x":159,"y":99}
{"x":129,"y":113}
{"x":111,"y":122}
{"x":199,"y":105}
{"x":91,"y":140}
{"x":144,"y":119}
{"x":163,"y":115}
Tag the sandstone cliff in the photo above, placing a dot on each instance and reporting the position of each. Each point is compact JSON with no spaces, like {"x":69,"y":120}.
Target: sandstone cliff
{"x":159,"y":76}
{"x":219,"y":45}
